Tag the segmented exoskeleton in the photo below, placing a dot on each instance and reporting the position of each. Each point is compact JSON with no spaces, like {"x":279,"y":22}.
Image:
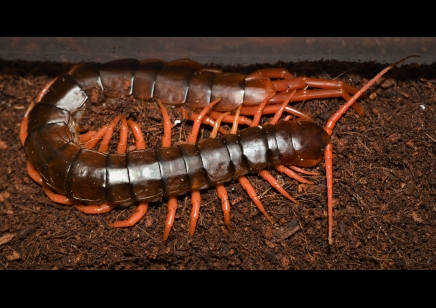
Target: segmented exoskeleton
{"x":64,"y":162}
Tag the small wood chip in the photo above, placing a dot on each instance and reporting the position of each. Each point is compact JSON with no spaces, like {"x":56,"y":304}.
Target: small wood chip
{"x":13,"y":256}
{"x":3,"y":145}
{"x":4,"y":196}
{"x":416,"y":218}
{"x":6,"y":238}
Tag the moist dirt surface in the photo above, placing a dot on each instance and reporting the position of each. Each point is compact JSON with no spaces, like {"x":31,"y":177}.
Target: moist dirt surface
{"x":384,"y":177}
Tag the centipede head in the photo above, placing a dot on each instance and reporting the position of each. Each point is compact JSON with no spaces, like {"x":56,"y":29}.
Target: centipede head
{"x":301,"y":143}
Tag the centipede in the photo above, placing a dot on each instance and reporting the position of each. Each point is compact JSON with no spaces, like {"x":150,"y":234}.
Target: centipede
{"x":75,"y":167}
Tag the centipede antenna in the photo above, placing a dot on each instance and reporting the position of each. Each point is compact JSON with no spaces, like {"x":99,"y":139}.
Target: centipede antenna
{"x":332,"y":121}
{"x":328,"y":151}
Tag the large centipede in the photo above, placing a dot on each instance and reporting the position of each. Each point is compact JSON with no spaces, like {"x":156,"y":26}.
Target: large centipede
{"x":63,"y":160}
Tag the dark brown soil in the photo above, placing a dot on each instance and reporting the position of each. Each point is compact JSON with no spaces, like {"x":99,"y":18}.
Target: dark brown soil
{"x":384,"y":190}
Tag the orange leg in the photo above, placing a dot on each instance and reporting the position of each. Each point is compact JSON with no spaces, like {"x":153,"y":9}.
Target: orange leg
{"x":137,"y":133}
{"x":259,"y":111}
{"x":304,"y":171}
{"x":234,"y":129}
{"x":96,"y":138}
{"x":328,"y":157}
{"x":225,"y":204}
{"x":122,"y":144}
{"x":55,"y":197}
{"x":217,"y":125}
{"x":302,"y":95}
{"x":25,"y":125}
{"x":279,"y":112}
{"x":292,"y":174}
{"x":104,"y":144}
{"x":95,"y":209}
{"x":86,"y":136}
{"x":35,"y":175}
{"x":205,"y":120}
{"x":222,"y":193}
{"x":195,"y":211}
{"x":74,"y":68}
{"x":197,"y":122}
{"x":231,"y":118}
{"x":140,"y":212}
{"x":44,"y":90}
{"x":269,"y":177}
{"x":166,"y":139}
{"x":272,"y":109}
{"x":246,"y":185}
{"x":172,"y":208}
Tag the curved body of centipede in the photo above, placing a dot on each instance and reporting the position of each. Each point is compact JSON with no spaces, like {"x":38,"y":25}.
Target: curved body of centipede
{"x":71,"y":171}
